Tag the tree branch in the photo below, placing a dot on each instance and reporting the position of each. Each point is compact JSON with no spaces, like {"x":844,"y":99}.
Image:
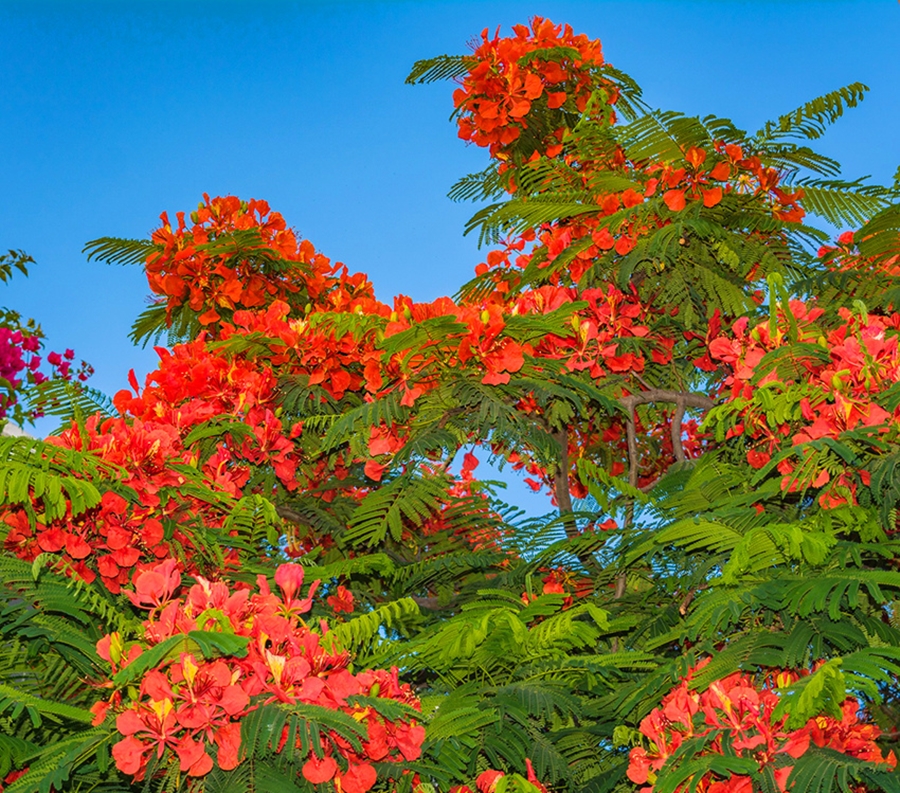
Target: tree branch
{"x":292,"y":516}
{"x":631,"y":438}
{"x":677,"y":446}
{"x":561,"y":481}
{"x":682,"y":401}
{"x":689,"y":399}
{"x":432,"y":603}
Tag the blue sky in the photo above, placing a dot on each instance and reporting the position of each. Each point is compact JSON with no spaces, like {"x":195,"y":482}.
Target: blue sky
{"x":111,"y":113}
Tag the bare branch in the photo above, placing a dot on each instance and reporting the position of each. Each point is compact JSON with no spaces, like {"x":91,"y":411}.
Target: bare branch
{"x":561,"y":479}
{"x":677,"y":446}
{"x":291,"y":515}
{"x":664,"y":395}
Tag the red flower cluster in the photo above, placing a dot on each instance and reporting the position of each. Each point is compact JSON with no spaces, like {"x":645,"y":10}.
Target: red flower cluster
{"x":110,"y":539}
{"x":117,"y":536}
{"x":705,"y":177}
{"x":846,"y":256}
{"x":733,"y":172}
{"x":191,"y":707}
{"x":206,"y":268}
{"x":836,"y":390}
{"x":509,"y":75}
{"x":487,"y":781}
{"x":610,"y":317}
{"x":192,"y":385}
{"x":12,"y":776}
{"x":346,"y":362}
{"x":744,"y":711}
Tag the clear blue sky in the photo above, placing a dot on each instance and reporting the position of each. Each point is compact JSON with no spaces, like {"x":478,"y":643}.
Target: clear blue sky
{"x":113,"y":112}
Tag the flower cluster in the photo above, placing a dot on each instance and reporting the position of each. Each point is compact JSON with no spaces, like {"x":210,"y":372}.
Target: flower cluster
{"x":845,"y":255}
{"x":192,"y":385}
{"x":108,"y":540}
{"x":116,"y":536}
{"x":835,"y":388}
{"x":20,"y":363}
{"x":18,"y":352}
{"x":188,"y":709}
{"x":509,"y":75}
{"x":236,"y":254}
{"x":12,"y":776}
{"x":605,"y":336}
{"x":702,"y":177}
{"x":707,"y":175}
{"x":737,"y":712}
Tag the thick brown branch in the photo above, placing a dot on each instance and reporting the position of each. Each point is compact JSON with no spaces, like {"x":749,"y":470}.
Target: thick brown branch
{"x":677,"y":447}
{"x":682,"y":401}
{"x":689,"y":400}
{"x":291,"y":515}
{"x":561,"y":480}
{"x":452,"y":413}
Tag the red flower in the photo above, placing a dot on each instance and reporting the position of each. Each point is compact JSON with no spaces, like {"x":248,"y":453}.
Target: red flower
{"x":486,"y":782}
{"x":319,"y":770}
{"x":342,"y":600}
{"x":674,"y":200}
{"x":155,"y":587}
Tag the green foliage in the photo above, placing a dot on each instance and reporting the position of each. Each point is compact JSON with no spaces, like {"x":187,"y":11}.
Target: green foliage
{"x":58,"y":477}
{"x":18,"y":260}
{"x":69,"y":402}
{"x":443,"y":67}
{"x":811,"y":119}
{"x":525,"y":639}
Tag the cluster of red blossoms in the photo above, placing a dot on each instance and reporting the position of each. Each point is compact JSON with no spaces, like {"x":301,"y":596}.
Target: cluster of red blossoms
{"x":115,"y":536}
{"x":835,"y":390}
{"x":188,"y":710}
{"x":12,"y":776}
{"x":508,"y":75}
{"x":704,"y":178}
{"x":192,"y":385}
{"x":606,"y":336}
{"x":342,"y":362}
{"x":845,"y":256}
{"x":210,"y":270}
{"x":110,"y":539}
{"x":742,"y":710}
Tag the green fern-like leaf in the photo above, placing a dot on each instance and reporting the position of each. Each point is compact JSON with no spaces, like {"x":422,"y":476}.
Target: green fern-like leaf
{"x":117,"y":250}
{"x":443,"y":67}
{"x":812,"y":118}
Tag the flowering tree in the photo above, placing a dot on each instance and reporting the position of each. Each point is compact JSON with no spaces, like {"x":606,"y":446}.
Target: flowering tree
{"x":271,"y":566}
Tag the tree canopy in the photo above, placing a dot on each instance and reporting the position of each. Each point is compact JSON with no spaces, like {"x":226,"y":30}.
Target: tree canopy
{"x":271,"y":566}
